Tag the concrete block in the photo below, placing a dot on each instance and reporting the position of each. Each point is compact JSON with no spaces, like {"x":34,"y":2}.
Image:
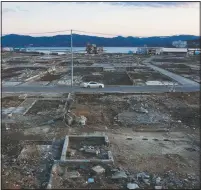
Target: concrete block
{"x":98,"y":169}
{"x":65,"y":147}
{"x":73,"y":174}
{"x":132,"y":186}
{"x":119,"y":175}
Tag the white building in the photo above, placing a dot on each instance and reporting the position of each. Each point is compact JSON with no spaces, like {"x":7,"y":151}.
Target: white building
{"x":174,"y":51}
{"x":179,"y":44}
{"x":7,"y":49}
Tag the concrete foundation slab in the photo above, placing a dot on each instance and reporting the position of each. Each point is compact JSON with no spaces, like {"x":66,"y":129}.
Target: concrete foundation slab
{"x":161,"y":83}
{"x":88,"y":142}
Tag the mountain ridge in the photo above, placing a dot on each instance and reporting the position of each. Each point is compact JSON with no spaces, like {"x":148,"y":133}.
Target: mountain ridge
{"x":17,"y":40}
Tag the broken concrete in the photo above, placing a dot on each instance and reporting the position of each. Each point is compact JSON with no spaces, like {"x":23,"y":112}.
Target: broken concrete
{"x":119,"y":175}
{"x":132,"y":186}
{"x":98,"y":169}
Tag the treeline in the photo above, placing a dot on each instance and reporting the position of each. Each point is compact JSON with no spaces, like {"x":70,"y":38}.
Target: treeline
{"x":14,"y":40}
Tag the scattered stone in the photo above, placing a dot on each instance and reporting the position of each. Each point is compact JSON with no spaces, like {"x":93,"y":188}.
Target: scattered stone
{"x":129,"y":138}
{"x":158,"y":180}
{"x":40,"y":113}
{"x":186,"y":180}
{"x":142,"y":176}
{"x":146,"y":181}
{"x":73,"y":174}
{"x":82,"y":120}
{"x":10,"y":115}
{"x":158,"y":187}
{"x":114,"y":170}
{"x":143,"y":110}
{"x":119,"y":175}
{"x":91,"y":150}
{"x":69,"y":119}
{"x":98,"y":169}
{"x":132,"y":186}
{"x":50,"y":122}
{"x":60,"y":170}
{"x":81,"y":149}
{"x":14,"y":160}
{"x":72,"y":152}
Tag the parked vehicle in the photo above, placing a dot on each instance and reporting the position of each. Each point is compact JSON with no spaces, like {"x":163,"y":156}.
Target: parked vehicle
{"x":92,"y":85}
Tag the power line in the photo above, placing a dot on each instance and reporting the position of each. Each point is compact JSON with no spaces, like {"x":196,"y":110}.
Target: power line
{"x":49,"y":32}
{"x":97,"y":33}
{"x":42,"y":32}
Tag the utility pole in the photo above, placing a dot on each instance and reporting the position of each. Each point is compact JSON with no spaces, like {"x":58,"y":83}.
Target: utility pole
{"x":71,"y":58}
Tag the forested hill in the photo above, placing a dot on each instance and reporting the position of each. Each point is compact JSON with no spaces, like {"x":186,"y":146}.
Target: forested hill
{"x":14,"y":40}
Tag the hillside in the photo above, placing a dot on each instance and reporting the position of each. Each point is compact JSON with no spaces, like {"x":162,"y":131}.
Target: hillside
{"x":194,"y":43}
{"x":14,"y":40}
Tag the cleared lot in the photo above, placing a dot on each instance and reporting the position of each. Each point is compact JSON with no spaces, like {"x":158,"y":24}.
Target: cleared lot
{"x":162,"y":139}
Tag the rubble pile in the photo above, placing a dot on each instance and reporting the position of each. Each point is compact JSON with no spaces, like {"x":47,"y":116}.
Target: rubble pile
{"x":28,"y":168}
{"x":105,"y":176}
{"x":31,"y":167}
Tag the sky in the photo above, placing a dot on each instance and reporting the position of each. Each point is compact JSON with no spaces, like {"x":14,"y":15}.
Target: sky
{"x":101,"y":18}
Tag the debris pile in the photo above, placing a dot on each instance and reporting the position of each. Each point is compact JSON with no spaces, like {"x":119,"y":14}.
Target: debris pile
{"x":93,"y":49}
{"x":105,"y":176}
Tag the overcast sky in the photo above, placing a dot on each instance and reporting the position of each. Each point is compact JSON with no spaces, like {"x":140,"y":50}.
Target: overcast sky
{"x":126,"y":19}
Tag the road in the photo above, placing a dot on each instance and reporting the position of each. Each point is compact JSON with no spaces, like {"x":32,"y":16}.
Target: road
{"x":186,"y":86}
{"x":178,"y":78}
{"x":107,"y":89}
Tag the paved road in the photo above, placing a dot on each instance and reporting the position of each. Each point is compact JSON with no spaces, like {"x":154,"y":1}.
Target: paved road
{"x":187,"y":86}
{"x":107,"y":89}
{"x":178,"y":78}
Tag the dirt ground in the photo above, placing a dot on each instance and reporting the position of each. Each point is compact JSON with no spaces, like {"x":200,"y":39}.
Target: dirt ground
{"x":150,"y":150}
{"x":179,"y":59}
{"x":50,"y":77}
{"x":109,"y":78}
{"x":8,"y":73}
{"x":188,"y":67}
{"x":101,"y":181}
{"x":11,"y":101}
{"x":153,"y":133}
{"x":185,"y":66}
{"x":20,"y":72}
{"x":42,"y":105}
{"x":149,"y":76}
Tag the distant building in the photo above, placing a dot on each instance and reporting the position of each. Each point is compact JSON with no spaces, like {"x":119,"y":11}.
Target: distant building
{"x":179,"y":44}
{"x":177,"y":51}
{"x":141,"y":50}
{"x":149,"y":50}
{"x":194,"y":51}
{"x":154,"y":51}
{"x":7,"y":49}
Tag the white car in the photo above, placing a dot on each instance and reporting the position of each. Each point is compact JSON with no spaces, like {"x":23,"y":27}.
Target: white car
{"x":92,"y":85}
